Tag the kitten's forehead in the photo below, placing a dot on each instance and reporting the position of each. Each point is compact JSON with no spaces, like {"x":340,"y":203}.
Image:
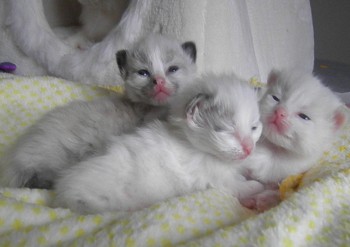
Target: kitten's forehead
{"x":238,"y":100}
{"x":157,"y":50}
{"x":294,"y":89}
{"x":304,"y":91}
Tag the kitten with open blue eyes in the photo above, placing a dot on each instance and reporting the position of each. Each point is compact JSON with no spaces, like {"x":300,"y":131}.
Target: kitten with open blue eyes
{"x":300,"y":119}
{"x":213,"y":125}
{"x":154,"y":69}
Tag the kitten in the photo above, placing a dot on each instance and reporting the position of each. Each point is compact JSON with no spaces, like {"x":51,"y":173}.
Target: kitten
{"x":213,"y":125}
{"x":300,"y":118}
{"x":153,"y":70}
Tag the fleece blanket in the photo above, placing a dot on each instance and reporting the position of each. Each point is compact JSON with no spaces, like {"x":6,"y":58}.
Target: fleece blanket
{"x":315,"y":212}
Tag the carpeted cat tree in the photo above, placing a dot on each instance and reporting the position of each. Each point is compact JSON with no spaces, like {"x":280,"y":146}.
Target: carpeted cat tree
{"x":245,"y":36}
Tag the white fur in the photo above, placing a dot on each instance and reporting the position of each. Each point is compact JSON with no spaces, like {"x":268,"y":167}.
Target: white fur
{"x":166,"y":159}
{"x":65,"y":136}
{"x":29,"y":28}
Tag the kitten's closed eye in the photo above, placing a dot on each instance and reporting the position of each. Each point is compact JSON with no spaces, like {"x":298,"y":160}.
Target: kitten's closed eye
{"x":254,"y":128}
{"x":218,"y":129}
{"x":303,"y":116}
{"x":143,"y":72}
{"x":173,"y":69}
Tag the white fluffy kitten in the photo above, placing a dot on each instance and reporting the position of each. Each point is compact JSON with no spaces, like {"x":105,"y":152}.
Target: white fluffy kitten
{"x":300,"y":119}
{"x":214,"y":124}
{"x":153,"y":70}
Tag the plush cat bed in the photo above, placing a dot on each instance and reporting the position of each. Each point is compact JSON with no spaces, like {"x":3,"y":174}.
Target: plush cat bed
{"x":239,"y":35}
{"x":317,"y":214}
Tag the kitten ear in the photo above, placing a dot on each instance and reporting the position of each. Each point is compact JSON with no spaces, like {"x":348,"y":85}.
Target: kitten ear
{"x":121,"y":61}
{"x":194,"y":105}
{"x":273,"y":77}
{"x":190,"y":49}
{"x":339,"y":119}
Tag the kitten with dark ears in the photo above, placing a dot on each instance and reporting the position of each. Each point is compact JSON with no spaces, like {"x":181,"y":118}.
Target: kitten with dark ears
{"x":300,"y":119}
{"x":154,"y":70}
{"x":213,"y":125}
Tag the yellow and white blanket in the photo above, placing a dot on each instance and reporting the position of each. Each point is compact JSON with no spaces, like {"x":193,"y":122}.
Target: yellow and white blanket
{"x":317,"y":215}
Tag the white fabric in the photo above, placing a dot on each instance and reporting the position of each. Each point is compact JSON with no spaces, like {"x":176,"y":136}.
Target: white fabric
{"x":248,"y":37}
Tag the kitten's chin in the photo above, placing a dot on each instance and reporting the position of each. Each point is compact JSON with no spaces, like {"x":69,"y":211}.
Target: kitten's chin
{"x":278,"y":139}
{"x":233,"y":157}
{"x":240,"y":156}
{"x":243,"y":156}
{"x":280,"y":128}
{"x":161,"y":98}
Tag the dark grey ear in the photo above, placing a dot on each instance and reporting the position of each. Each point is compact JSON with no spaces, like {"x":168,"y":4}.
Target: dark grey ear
{"x":190,"y":49}
{"x":121,"y":61}
{"x":194,"y":105}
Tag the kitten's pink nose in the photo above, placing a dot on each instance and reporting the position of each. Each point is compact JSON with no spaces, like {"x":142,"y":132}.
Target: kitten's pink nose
{"x":247,"y":145}
{"x":159,"y":80}
{"x":280,"y":113}
{"x":279,"y":120}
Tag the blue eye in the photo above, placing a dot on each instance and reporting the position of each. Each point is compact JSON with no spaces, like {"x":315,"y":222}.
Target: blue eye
{"x":303,"y":116}
{"x":275,"y":98}
{"x":173,"y":69}
{"x":143,"y":72}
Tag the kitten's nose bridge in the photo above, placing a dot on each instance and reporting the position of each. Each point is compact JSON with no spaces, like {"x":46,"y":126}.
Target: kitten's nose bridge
{"x":280,"y":112}
{"x":247,"y":145}
{"x":159,"y":80}
{"x":246,"y":142}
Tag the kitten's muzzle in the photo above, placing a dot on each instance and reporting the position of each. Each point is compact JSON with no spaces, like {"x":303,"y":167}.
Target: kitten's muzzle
{"x":278,"y":119}
{"x":247,"y":145}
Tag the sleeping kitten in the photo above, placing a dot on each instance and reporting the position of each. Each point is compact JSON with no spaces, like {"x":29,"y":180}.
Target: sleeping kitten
{"x":300,"y":119}
{"x":153,"y":70}
{"x":212,"y":126}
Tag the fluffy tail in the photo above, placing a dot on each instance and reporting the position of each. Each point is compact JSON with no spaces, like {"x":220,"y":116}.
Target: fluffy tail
{"x":33,"y":35}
